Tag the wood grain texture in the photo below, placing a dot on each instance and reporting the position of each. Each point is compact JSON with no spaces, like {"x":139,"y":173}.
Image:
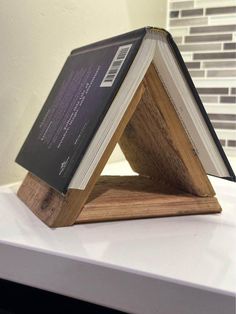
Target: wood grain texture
{"x":157,"y":147}
{"x":131,"y":197}
{"x":47,"y":203}
{"x":156,"y":144}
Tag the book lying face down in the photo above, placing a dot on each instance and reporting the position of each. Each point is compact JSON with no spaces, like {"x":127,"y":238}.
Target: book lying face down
{"x":90,"y":97}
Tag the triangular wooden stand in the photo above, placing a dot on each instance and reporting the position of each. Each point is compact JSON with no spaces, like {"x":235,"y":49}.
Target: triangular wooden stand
{"x":171,"y":179}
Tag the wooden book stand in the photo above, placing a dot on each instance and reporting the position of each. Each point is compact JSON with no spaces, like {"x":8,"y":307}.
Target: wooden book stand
{"x":171,"y":179}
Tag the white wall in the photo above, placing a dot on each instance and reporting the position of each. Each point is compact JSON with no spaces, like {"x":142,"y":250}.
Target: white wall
{"x":36,"y":37}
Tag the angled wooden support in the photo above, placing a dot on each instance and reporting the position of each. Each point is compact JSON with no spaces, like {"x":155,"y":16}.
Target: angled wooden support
{"x":171,"y":179}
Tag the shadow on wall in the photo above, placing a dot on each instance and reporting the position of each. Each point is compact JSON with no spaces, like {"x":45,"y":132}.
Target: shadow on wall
{"x":37,"y":38}
{"x":16,"y":120}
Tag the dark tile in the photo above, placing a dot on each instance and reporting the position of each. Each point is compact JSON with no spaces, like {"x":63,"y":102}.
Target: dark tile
{"x":221,"y":73}
{"x":216,"y":55}
{"x":209,"y":99}
{"x":207,"y":38}
{"x":229,"y":45}
{"x":222,"y":117}
{"x":213,"y":29}
{"x":174,"y":14}
{"x":224,"y":125}
{"x":212,"y":90}
{"x":231,"y":143}
{"x":221,"y":10}
{"x":222,"y":142}
{"x":233,"y":90}
{"x":190,"y":21}
{"x":193,"y":65}
{"x":228,"y":99}
{"x":197,"y":73}
{"x":193,"y":12}
{"x":200,"y":47}
{"x":219,"y":64}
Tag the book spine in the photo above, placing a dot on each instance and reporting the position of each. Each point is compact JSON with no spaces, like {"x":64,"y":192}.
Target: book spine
{"x":136,"y":34}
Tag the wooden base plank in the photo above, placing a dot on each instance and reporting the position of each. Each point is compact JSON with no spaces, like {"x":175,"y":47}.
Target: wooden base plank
{"x":115,"y":198}
{"x":130,"y":197}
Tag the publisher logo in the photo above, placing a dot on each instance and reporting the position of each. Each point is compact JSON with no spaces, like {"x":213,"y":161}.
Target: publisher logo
{"x":63,"y":165}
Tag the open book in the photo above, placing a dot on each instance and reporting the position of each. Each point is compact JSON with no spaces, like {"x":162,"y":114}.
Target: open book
{"x":89,"y":100}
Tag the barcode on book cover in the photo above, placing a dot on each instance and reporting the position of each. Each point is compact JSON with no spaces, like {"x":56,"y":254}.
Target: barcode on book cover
{"x":115,"y":66}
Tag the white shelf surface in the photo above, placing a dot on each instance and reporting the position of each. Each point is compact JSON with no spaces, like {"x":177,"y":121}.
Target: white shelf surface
{"x":164,"y":265}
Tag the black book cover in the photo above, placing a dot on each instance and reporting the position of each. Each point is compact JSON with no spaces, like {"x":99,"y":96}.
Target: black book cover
{"x":75,"y":108}
{"x":78,"y":102}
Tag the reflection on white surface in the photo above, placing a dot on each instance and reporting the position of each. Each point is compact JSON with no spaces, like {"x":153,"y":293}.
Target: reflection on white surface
{"x":198,"y":249}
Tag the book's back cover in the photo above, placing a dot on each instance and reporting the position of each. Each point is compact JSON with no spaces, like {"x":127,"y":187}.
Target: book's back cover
{"x":75,"y":108}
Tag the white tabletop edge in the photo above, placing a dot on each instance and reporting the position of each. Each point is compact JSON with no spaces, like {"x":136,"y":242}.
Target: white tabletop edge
{"x":121,"y":268}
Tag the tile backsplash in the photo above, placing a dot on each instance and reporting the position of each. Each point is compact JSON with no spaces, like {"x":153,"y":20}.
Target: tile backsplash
{"x":205,"y":32}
